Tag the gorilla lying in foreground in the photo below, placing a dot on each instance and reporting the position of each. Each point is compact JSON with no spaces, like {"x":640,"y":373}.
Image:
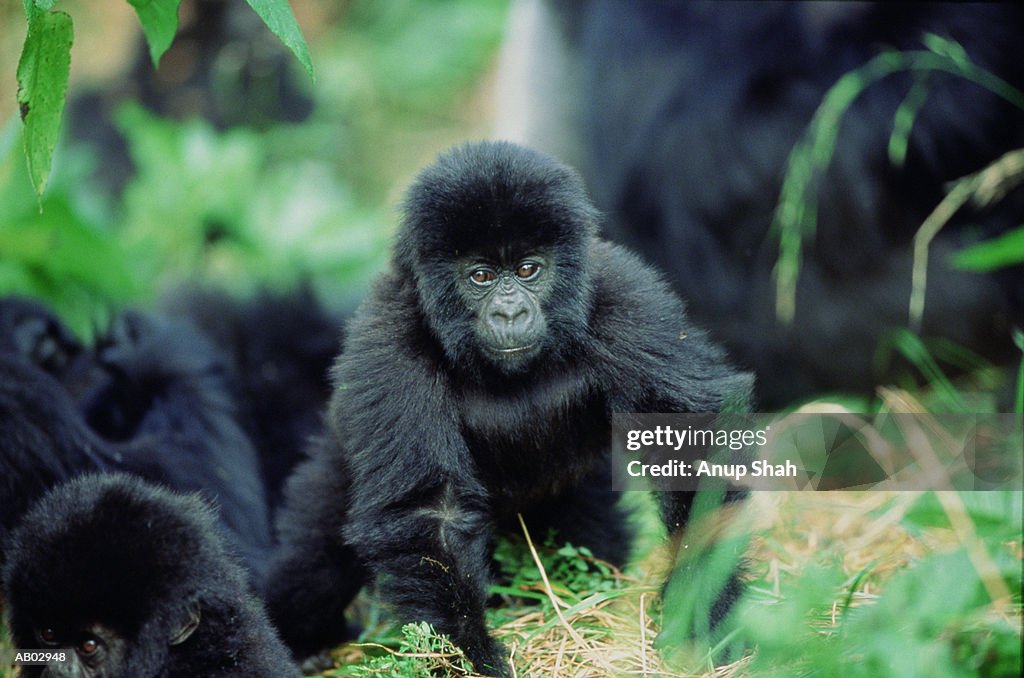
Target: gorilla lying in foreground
{"x":478,"y":381}
{"x":131,"y":580}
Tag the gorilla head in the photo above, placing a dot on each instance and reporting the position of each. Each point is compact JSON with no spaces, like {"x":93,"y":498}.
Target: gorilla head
{"x":132,"y":580}
{"x":486,"y":227}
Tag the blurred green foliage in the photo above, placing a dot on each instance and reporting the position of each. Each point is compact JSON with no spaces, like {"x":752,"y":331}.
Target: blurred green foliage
{"x":990,"y":255}
{"x":55,"y":249}
{"x":237,"y":207}
{"x":933,"y":618}
{"x":402,"y":77}
{"x":244,"y":208}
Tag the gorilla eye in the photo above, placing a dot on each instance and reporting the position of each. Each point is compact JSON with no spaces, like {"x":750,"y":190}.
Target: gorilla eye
{"x":88,"y":646}
{"x":48,"y":636}
{"x":483,"y":276}
{"x":527,"y":270}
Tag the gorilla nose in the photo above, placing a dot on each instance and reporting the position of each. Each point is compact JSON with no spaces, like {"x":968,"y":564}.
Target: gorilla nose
{"x":509,"y":310}
{"x":510,"y":315}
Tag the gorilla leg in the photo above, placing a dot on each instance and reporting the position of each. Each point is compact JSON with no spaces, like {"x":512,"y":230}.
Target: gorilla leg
{"x":313,"y":575}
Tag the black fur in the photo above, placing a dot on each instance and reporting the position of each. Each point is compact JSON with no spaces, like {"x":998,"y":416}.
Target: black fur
{"x":145,"y":570}
{"x":280,"y":348}
{"x":682,"y":116}
{"x":165,"y":399}
{"x":151,"y":399}
{"x":32,"y":330}
{"x":43,"y":439}
{"x":435,"y":445}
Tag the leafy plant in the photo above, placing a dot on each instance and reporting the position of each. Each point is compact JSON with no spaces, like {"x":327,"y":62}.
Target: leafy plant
{"x":421,"y":652}
{"x":573,"y":570}
{"x":950,"y":613}
{"x":45,"y":64}
{"x":796,"y":215}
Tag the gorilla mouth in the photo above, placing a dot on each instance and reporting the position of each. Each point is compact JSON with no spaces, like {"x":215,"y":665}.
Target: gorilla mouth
{"x":514,"y":350}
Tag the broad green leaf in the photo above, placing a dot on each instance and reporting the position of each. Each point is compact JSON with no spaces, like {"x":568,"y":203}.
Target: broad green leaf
{"x":989,"y":255}
{"x":159,"y":19}
{"x":45,"y":5}
{"x":42,"y":83}
{"x":277,"y":15}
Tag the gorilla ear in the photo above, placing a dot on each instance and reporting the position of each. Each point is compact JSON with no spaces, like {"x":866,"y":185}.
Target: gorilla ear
{"x":186,"y":626}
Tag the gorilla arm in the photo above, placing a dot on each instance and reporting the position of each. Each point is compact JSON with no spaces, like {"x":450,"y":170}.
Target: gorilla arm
{"x":667,"y":365}
{"x":409,"y":462}
{"x":412,"y":510}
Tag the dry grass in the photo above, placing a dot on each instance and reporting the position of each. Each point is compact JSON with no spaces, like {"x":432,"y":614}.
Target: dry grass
{"x":614,"y":637}
{"x":613,"y":633}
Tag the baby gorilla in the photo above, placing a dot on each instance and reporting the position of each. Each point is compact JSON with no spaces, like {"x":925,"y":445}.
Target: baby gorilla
{"x":478,"y":381}
{"x":132,"y":580}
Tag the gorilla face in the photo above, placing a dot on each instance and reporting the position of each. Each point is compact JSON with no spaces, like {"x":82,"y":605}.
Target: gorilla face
{"x":495,"y":241}
{"x":506,"y":296}
{"x":90,"y":651}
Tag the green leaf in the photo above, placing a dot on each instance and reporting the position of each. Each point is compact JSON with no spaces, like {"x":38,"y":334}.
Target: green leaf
{"x":1006,"y":250}
{"x":916,"y":352}
{"x":42,"y":83}
{"x":159,"y":19}
{"x":950,"y":49}
{"x":277,"y":15}
{"x":903,"y":119}
{"x":996,"y":515}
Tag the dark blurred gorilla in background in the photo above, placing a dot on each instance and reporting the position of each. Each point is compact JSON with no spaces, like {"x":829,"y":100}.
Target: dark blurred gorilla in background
{"x":43,"y":439}
{"x":30,"y":330}
{"x":152,"y":398}
{"x":681,"y":117}
{"x":280,"y":347}
{"x":165,"y":395}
